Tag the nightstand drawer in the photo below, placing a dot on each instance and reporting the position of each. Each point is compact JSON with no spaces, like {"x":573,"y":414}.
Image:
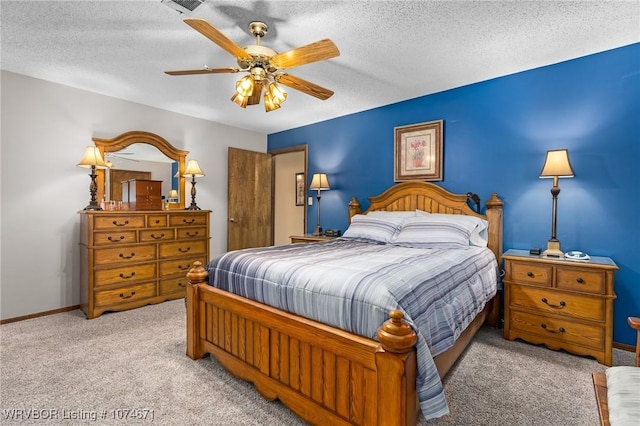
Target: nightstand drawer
{"x":556,"y":302}
{"x":531,"y":273}
{"x":580,"y":280}
{"x":563,"y":331}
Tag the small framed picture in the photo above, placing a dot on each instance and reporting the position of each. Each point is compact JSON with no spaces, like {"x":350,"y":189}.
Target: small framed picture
{"x":300,"y":191}
{"x":418,"y":151}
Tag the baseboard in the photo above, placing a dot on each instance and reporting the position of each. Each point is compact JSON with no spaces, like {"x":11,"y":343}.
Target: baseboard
{"x":40,"y":314}
{"x":624,"y":347}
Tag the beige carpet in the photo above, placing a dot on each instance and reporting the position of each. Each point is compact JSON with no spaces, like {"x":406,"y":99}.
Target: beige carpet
{"x":131,"y":368}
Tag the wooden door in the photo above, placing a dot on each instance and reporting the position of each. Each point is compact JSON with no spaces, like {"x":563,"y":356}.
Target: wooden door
{"x":250,"y":199}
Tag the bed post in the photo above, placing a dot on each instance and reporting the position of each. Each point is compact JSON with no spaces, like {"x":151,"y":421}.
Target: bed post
{"x":494,"y":216}
{"x":396,"y":365}
{"x":196,"y":276}
{"x":354,"y":208}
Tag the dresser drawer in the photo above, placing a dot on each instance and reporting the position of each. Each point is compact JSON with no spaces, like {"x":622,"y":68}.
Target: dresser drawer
{"x":125,"y":274}
{"x":118,"y":222}
{"x":560,"y":303}
{"x":125,"y":254}
{"x":125,"y":294}
{"x":114,"y":237}
{"x":532,"y":273}
{"x":165,"y":234}
{"x":173,"y":285}
{"x":182,"y":248}
{"x":559,"y":330}
{"x":188,"y":233}
{"x":179,"y":266}
{"x":187,"y":219}
{"x":157,"y":221}
{"x":580,"y":280}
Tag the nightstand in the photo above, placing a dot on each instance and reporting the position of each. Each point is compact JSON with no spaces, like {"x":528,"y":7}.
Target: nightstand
{"x":563,"y":304}
{"x":309,"y":238}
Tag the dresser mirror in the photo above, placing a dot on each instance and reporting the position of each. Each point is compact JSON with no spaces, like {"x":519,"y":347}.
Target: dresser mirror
{"x":141,"y":155}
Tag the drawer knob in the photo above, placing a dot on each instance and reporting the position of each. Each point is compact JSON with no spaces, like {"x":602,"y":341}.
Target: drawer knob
{"x":558,"y":331}
{"x":130,"y":295}
{"x":181,"y":250}
{"x":183,"y":285}
{"x":579,"y":280}
{"x":127,"y":276}
{"x":124,"y":256}
{"x":157,"y":237}
{"x":115,"y":222}
{"x":530,"y":274}
{"x":115,"y":240}
{"x":561,"y":305}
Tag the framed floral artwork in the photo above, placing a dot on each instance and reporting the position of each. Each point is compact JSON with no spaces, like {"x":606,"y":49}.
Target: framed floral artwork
{"x":300,"y":191}
{"x":418,"y":151}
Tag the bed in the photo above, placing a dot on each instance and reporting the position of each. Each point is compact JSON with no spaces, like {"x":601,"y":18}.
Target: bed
{"x":324,"y":374}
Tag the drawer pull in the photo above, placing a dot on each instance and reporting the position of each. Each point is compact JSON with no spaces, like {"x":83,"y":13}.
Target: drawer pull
{"x":188,"y":221}
{"x":157,"y":220}
{"x":127,"y":276}
{"x":181,"y":250}
{"x":129,"y":296}
{"x":183,"y":285}
{"x":189,"y":234}
{"x":115,"y":222}
{"x":157,"y":237}
{"x":184,"y":268}
{"x":561,"y":305}
{"x":530,"y":274}
{"x":558,"y":331}
{"x":579,"y":280}
{"x":124,"y":256}
{"x":115,"y":240}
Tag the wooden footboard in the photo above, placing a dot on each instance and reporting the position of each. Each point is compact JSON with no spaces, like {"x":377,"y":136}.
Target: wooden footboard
{"x":325,"y":375}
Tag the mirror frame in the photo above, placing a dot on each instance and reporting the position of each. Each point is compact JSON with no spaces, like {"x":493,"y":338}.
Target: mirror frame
{"x":124,"y":140}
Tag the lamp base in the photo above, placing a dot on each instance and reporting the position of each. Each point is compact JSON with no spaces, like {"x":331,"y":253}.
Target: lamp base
{"x":553,"y":249}
{"x":92,"y":206}
{"x":193,"y":206}
{"x":317,"y":232}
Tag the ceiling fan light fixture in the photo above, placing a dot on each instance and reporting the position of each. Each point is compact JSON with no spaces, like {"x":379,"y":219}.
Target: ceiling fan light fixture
{"x":277,"y":93}
{"x":270,"y":104}
{"x":244,"y":86}
{"x":240,"y":100}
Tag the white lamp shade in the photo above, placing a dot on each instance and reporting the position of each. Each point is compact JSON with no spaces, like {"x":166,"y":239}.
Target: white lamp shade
{"x":557,"y":164}
{"x":173,"y":193}
{"x":319,"y":182}
{"x":92,"y":158}
{"x":193,"y":169}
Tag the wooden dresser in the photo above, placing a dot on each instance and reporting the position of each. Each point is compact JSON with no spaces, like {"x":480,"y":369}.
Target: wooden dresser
{"x":133,"y":258}
{"x":560,"y":303}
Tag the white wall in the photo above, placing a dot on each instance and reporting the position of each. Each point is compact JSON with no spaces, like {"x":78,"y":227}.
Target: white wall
{"x":45,"y":128}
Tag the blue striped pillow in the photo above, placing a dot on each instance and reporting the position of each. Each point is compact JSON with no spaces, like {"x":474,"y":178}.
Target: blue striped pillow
{"x":375,"y":227}
{"x":438,"y":231}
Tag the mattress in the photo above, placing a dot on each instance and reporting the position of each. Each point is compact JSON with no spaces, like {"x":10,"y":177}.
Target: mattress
{"x":354,"y":284}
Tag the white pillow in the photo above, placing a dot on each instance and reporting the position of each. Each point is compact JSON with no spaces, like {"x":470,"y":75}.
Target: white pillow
{"x":479,"y":236}
{"x":375,"y":227}
{"x":440,"y":231}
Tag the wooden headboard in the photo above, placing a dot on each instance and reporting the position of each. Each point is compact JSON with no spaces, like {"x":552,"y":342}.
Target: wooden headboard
{"x":428,"y":197}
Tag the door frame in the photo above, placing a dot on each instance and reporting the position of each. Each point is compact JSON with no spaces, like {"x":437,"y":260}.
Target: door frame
{"x":275,"y":152}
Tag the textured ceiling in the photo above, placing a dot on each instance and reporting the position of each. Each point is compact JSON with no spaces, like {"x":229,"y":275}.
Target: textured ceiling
{"x":390,"y":50}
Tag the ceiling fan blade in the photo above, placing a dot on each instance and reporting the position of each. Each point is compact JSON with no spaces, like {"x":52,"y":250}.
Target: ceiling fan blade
{"x":317,"y":51}
{"x":203,"y":71}
{"x":304,"y":86}
{"x":210,"y":32}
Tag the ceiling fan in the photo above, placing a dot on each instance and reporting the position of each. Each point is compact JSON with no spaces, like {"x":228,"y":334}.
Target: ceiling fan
{"x":265,"y":67}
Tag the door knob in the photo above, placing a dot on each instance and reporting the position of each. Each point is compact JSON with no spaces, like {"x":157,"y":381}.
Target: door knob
{"x":232,"y":220}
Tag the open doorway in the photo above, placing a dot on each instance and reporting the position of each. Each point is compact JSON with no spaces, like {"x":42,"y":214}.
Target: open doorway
{"x":290,"y":199}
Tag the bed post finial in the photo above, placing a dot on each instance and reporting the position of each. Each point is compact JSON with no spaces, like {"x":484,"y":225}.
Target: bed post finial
{"x":354,"y":208}
{"x":197,"y":274}
{"x":396,"y":335}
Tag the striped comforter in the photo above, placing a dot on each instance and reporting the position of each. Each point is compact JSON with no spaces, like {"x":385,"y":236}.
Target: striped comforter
{"x":353,"y":285}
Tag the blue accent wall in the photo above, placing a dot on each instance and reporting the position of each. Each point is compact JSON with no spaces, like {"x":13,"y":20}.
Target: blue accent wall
{"x":496,"y":134}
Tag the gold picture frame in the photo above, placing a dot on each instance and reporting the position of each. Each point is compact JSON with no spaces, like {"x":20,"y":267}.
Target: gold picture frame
{"x":418,"y":151}
{"x":300,"y":190}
